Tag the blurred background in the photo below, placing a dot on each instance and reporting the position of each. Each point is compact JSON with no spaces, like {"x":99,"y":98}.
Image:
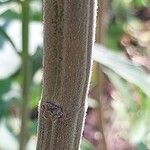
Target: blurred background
{"x":118,"y":116}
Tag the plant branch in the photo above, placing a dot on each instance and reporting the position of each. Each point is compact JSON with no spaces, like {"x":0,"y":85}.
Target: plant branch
{"x":91,"y":33}
{"x":25,"y":73}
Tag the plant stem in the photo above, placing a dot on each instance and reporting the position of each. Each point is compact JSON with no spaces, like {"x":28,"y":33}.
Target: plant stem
{"x":91,"y":33}
{"x":100,"y":37}
{"x":67,"y":57}
{"x":99,"y":96}
{"x":25,"y":73}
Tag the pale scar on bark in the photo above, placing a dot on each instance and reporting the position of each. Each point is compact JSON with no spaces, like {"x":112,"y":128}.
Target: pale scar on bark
{"x":49,"y":108}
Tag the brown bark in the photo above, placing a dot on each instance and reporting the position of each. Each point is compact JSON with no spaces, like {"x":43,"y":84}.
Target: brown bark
{"x":91,"y":33}
{"x":67,"y":57}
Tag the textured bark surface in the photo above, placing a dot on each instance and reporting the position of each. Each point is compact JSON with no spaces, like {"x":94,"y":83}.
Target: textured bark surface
{"x":91,"y":33}
{"x":68,"y":40}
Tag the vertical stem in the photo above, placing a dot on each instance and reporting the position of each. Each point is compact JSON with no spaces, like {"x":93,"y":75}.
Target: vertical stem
{"x":100,"y":37}
{"x":101,"y":21}
{"x":66,"y":73}
{"x":91,"y":34}
{"x":25,"y":73}
{"x":99,"y":90}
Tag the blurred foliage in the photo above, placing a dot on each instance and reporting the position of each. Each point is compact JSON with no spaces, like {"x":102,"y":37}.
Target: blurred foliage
{"x":120,"y":13}
{"x":128,"y":33}
{"x":11,"y":85}
{"x":85,"y":145}
{"x":132,"y":99}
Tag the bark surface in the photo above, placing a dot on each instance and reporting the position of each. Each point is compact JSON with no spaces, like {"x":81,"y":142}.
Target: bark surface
{"x":68,"y":40}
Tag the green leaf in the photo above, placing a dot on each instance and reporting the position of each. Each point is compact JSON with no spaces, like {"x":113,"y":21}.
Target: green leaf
{"x":35,"y":95}
{"x":2,"y":2}
{"x":115,"y":29}
{"x":6,"y":36}
{"x":3,"y":109}
{"x":141,"y":3}
{"x":3,"y":9}
{"x":6,"y":107}
{"x":122,"y":87}
{"x":4,"y":86}
{"x":32,"y":127}
{"x":37,"y":60}
{"x":8,"y":8}
{"x":123,"y":67}
{"x":138,"y":131}
{"x":141,"y":146}
{"x":36,"y":10}
{"x":85,"y":145}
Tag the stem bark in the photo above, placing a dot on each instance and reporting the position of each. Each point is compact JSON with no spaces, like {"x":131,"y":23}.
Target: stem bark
{"x":68,"y":40}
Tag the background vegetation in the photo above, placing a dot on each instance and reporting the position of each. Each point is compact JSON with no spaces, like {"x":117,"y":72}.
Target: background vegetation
{"x":124,"y":60}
